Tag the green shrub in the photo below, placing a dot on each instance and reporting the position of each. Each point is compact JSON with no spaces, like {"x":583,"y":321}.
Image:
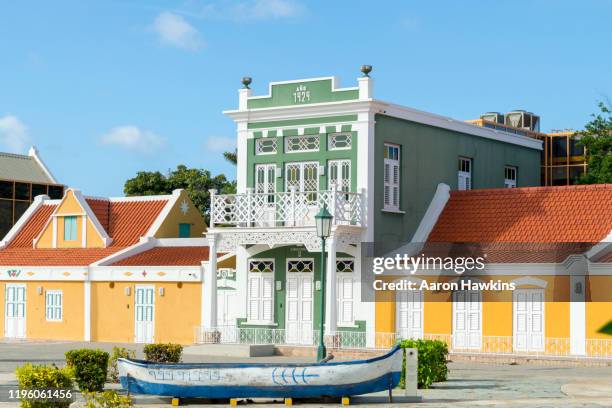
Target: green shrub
{"x":432,"y":361}
{"x":106,"y":399}
{"x":41,"y":376}
{"x":163,"y":352}
{"x":89,"y":367}
{"x":118,"y":352}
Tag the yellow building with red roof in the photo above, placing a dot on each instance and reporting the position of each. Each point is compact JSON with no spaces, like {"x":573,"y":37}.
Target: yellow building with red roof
{"x":552,"y":244}
{"x":104,"y":269}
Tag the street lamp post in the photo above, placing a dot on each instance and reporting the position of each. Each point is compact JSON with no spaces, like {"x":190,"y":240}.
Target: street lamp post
{"x":323,"y":221}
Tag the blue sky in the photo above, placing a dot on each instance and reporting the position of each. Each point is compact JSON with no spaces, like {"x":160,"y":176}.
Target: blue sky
{"x":107,"y":88}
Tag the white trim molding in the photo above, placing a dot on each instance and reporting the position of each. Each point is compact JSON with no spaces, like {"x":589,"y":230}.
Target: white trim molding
{"x":163,"y":214}
{"x":529,"y":281}
{"x":33,"y":153}
{"x":23,"y":220}
{"x":429,"y":220}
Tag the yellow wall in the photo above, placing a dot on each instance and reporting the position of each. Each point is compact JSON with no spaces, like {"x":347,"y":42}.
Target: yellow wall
{"x":599,"y":306}
{"x":170,"y":226}
{"x":176,"y":313}
{"x":37,"y":327}
{"x":2,"y":305}
{"x":73,"y":299}
{"x":497,"y":310}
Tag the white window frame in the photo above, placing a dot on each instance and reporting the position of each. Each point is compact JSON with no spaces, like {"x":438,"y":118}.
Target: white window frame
{"x":509,"y":182}
{"x":50,"y":309}
{"x":288,"y":140}
{"x":331,"y":142}
{"x":340,"y":295}
{"x":392,"y":179}
{"x":464,"y":178}
{"x":261,"y":140}
{"x":260,"y":299}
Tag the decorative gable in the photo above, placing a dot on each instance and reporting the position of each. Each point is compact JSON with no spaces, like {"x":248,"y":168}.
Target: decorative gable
{"x":73,"y":224}
{"x":180,"y":219}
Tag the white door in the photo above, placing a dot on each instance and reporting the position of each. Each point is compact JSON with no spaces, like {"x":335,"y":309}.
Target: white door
{"x":299,"y":307}
{"x":467,"y":319}
{"x":145,"y":314}
{"x":340,"y":174}
{"x":265,"y":187}
{"x":226,"y":318}
{"x":528,"y":319}
{"x":15,"y":311}
{"x":410,"y":314}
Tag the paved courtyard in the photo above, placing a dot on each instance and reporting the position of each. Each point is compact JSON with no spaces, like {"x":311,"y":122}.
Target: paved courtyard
{"x":469,"y":384}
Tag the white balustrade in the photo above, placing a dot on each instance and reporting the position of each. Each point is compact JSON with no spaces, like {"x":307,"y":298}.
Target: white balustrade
{"x":285,"y":209}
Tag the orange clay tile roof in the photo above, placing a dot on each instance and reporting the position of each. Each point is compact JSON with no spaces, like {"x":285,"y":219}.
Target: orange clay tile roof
{"x":572,"y":214}
{"x":53,"y":256}
{"x":34,"y":226}
{"x":130,"y":220}
{"x":124,"y":221}
{"x":168,"y":256}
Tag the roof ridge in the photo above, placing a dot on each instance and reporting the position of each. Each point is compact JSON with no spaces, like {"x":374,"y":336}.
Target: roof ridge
{"x":16,"y":155}
{"x":543,"y":189}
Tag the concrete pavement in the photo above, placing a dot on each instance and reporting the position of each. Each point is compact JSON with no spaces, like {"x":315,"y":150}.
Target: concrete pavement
{"x":470,"y":384}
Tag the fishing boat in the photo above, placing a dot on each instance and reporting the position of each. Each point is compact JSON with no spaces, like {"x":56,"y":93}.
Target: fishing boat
{"x":267,"y":380}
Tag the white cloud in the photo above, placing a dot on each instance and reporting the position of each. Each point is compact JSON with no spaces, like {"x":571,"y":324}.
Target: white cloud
{"x":13,"y":134}
{"x":247,"y":10}
{"x":134,"y":139}
{"x":220,"y":143}
{"x":173,"y":30}
{"x":267,"y":9}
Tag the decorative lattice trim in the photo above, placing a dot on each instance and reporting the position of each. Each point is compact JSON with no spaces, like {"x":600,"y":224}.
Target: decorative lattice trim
{"x":345,"y":265}
{"x":339,"y":141}
{"x":302,"y":143}
{"x":300,"y":265}
{"x":266,"y":146}
{"x":260,"y":265}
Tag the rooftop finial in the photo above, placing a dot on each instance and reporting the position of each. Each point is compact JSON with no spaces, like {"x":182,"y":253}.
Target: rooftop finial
{"x":246,"y":81}
{"x":366,"y":69}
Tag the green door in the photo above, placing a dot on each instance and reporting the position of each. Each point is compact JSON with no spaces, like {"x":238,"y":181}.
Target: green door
{"x":184,"y":230}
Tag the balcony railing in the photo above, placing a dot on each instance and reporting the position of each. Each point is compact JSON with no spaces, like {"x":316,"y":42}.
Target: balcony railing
{"x":357,"y":340}
{"x":285,"y":209}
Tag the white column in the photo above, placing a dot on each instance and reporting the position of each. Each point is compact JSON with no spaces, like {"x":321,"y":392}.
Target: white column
{"x":210,"y":287}
{"x":577,"y":315}
{"x":87,"y":309}
{"x":331,"y":304}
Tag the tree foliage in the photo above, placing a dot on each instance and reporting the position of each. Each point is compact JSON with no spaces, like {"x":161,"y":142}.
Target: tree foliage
{"x":231,"y":157}
{"x":597,"y":140}
{"x":197,"y":183}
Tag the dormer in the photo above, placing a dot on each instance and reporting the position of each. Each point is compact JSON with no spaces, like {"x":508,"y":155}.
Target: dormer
{"x":73,"y":224}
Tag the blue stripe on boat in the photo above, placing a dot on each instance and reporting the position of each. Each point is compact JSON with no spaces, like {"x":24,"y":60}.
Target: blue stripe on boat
{"x":229,"y":391}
